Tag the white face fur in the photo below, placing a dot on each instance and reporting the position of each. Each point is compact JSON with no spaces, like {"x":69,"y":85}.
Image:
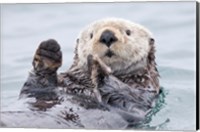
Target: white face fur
{"x":130,"y":48}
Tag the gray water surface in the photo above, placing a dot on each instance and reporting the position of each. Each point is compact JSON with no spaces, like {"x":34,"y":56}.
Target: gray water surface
{"x":24,"y":26}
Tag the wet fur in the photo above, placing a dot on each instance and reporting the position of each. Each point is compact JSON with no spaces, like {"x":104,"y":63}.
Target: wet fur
{"x":111,"y":91}
{"x":127,"y":83}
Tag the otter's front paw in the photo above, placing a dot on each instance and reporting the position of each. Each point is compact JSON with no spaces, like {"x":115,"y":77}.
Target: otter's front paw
{"x":48,"y":57}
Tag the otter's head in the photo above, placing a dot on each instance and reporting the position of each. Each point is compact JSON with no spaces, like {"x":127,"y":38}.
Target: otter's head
{"x":121,"y":44}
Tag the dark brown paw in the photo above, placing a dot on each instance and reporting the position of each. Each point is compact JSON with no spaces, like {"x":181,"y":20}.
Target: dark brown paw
{"x":48,"y":57}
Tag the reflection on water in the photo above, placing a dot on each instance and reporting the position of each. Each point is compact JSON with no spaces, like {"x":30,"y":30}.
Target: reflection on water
{"x":24,"y":26}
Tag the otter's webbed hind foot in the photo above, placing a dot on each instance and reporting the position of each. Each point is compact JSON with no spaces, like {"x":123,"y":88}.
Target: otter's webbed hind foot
{"x":42,"y":80}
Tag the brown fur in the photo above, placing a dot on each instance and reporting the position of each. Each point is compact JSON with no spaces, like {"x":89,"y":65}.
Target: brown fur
{"x":48,"y":56}
{"x":133,"y":66}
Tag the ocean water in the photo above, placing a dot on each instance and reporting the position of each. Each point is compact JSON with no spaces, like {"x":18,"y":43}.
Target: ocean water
{"x":24,"y":26}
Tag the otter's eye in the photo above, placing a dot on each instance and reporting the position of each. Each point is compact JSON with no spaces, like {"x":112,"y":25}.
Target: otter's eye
{"x":128,"y":32}
{"x":91,"y":35}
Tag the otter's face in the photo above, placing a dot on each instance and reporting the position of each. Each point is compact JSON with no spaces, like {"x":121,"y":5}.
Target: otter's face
{"x":119,"y":43}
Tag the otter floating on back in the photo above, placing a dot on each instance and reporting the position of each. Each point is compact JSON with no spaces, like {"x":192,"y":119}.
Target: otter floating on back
{"x":114,"y":69}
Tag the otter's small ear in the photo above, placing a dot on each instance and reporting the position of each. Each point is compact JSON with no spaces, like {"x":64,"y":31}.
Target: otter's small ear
{"x":77,"y":40}
{"x":151,"y":41}
{"x":151,"y":56}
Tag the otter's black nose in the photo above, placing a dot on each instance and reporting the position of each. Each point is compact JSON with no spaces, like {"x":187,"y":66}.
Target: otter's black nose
{"x":108,"y":38}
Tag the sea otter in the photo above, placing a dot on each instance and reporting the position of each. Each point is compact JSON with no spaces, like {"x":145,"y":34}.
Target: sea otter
{"x":114,"y":68}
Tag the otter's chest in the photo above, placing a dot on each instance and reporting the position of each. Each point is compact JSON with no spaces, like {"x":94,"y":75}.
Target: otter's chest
{"x":76,"y":83}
